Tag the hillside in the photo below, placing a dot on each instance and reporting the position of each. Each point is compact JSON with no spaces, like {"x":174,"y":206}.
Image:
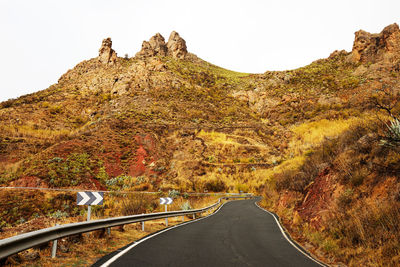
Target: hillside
{"x":309,"y":139}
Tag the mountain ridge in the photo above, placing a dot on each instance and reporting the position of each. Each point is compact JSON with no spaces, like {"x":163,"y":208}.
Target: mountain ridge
{"x":167,"y":120}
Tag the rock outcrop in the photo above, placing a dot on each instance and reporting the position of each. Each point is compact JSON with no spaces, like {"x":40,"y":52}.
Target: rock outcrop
{"x":372,"y":48}
{"x":176,"y":46}
{"x":156,"y":46}
{"x":106,"y":54}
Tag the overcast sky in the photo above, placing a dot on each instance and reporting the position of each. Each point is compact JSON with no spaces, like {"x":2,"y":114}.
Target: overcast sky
{"x":41,"y":40}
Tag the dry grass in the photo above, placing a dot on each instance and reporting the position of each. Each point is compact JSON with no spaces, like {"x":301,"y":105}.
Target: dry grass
{"x":311,"y":134}
{"x":29,"y":130}
{"x":217,"y":138}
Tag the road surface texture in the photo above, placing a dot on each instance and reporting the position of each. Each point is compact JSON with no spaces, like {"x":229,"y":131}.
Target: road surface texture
{"x":239,"y":234}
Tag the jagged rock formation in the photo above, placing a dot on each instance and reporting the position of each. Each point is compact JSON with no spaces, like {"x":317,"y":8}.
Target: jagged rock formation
{"x":176,"y":46}
{"x":106,"y":54}
{"x":372,"y":48}
{"x":156,"y":46}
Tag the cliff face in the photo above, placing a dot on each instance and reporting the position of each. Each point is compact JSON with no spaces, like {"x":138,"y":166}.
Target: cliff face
{"x":372,"y":48}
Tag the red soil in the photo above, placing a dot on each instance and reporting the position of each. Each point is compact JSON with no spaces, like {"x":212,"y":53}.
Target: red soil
{"x":318,"y":200}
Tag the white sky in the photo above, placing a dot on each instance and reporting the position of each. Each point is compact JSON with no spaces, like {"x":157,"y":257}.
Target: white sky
{"x":40,"y":40}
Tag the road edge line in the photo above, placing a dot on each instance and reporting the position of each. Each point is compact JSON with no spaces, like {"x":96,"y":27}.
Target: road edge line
{"x":296,"y":246}
{"x":115,"y":257}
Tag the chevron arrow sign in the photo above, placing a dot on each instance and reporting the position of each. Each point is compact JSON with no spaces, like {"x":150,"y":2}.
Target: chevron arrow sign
{"x":165,"y":200}
{"x":89,"y":198}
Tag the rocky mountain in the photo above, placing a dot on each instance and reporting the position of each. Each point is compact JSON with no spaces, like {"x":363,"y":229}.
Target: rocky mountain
{"x":311,"y":140}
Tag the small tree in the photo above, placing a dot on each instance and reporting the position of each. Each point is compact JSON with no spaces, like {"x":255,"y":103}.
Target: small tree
{"x":386,"y":99}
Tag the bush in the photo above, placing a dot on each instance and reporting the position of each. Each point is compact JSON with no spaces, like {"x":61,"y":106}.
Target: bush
{"x":358,"y":177}
{"x":119,"y":182}
{"x":215,"y":185}
{"x":55,"y":109}
{"x":242,"y":188}
{"x":345,"y":198}
{"x":136,"y":204}
{"x":59,"y":214}
{"x":173,"y":193}
{"x":186,"y":206}
{"x":293,"y":180}
{"x":71,"y":171}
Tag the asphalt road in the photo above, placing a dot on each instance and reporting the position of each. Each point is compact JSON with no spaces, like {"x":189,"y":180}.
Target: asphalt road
{"x":240,"y":234}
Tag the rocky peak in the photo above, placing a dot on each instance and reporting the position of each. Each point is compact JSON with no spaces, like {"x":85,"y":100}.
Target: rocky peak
{"x":156,"y":46}
{"x":176,"y":46}
{"x":384,"y":46}
{"x":106,"y":54}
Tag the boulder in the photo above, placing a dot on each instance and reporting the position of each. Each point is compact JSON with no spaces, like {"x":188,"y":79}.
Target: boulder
{"x":106,"y":54}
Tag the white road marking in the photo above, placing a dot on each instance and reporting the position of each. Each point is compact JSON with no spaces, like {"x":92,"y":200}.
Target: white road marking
{"x":288,"y":239}
{"x":110,"y":261}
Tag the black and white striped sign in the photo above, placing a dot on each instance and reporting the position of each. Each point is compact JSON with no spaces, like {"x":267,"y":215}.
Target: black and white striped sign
{"x":89,"y":198}
{"x":165,"y":200}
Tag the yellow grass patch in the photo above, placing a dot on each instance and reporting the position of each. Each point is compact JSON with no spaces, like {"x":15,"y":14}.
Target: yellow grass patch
{"x":28,"y":130}
{"x":311,"y":134}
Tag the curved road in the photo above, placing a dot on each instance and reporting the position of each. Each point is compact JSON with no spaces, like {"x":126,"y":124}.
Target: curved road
{"x":240,"y":234}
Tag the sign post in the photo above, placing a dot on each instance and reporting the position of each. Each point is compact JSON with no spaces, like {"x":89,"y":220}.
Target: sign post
{"x":89,"y":198}
{"x":166,"y":201}
{"x":89,"y":211}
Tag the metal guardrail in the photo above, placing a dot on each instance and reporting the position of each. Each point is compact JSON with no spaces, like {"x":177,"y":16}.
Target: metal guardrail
{"x":15,"y":244}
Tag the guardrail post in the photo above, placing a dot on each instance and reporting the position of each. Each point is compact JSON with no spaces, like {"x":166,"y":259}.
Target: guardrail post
{"x":54,"y":248}
{"x":142,"y":226}
{"x":109,"y":231}
{"x":194,"y":216}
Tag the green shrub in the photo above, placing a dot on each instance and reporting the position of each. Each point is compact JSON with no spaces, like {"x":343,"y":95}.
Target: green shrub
{"x":173,"y":193}
{"x":119,"y":182}
{"x":59,"y":214}
{"x":186,"y":206}
{"x":70,"y":171}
